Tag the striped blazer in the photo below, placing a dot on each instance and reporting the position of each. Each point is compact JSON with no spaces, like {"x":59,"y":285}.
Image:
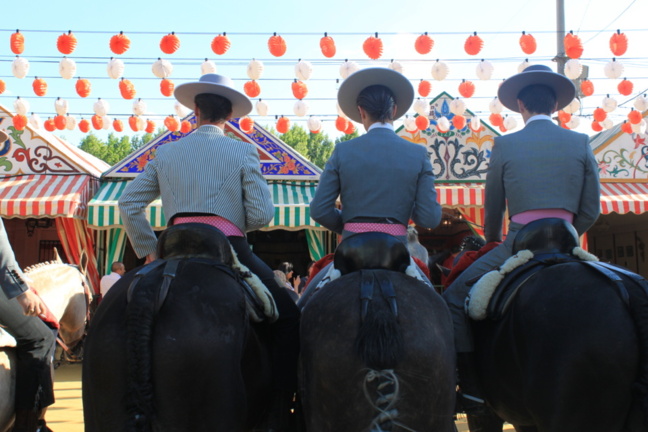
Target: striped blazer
{"x":205,"y":172}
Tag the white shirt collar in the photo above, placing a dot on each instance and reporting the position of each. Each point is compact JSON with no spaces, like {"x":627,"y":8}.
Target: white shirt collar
{"x":538,"y":117}
{"x":381,"y":125}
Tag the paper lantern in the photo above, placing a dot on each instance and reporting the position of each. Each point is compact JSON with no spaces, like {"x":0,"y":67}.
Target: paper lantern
{"x":587,"y":88}
{"x":634,"y":117}
{"x":276,"y":45}
{"x":220,"y":44}
{"x":133,"y":123}
{"x":503,"y":129}
{"x":641,"y":103}
{"x":252,"y":89}
{"x":19,"y":121}
{"x":162,"y":68}
{"x":83,"y":87}
{"x":20,"y":67}
{"x":421,"y":106}
{"x":327,"y":46}
{"x":70,"y":122}
{"x":573,"y":107}
{"x":181,"y":110}
{"x":618,"y":43}
{"x":261,"y":108}
{"x":21,"y":106}
{"x":35,"y":121}
{"x":59,"y":122}
{"x":423,"y":44}
{"x":484,"y":70}
{"x":596,"y":126}
{"x":303,"y":70}
{"x":496,"y":119}
{"x":396,"y":65}
{"x":299,"y":89}
{"x":208,"y":67}
{"x":17,"y":42}
{"x":185,"y":127}
{"x":373,"y":47}
{"x":350,"y":129}
{"x":60,"y":106}
{"x":599,"y":114}
{"x":49,"y":125}
{"x":341,"y":123}
{"x":170,"y":43}
{"x":422,"y":122}
{"x":573,"y":69}
{"x":440,"y":70}
{"x":510,"y":123}
{"x":101,"y":107}
{"x":573,"y":122}
{"x":424,"y":88}
{"x":84,"y":126}
{"x":457,"y":107}
{"x":409,"y":123}
{"x":300,"y":108}
{"x":573,"y":45}
{"x":495,"y":106}
{"x":607,"y":123}
{"x":466,"y":88}
{"x":475,"y":124}
{"x":347,"y":68}
{"x":254,"y":69}
{"x":67,"y":68}
{"x":3,"y":87}
{"x":246,"y":124}
{"x":639,"y":128}
{"x":66,"y":43}
{"x":609,"y":104}
{"x":473,"y":44}
{"x":97,"y":122}
{"x":527,"y":43}
{"x":150,"y":126}
{"x":166,"y":87}
{"x":283,"y":125}
{"x":127,"y":89}
{"x":115,"y":68}
{"x":626,"y":127}
{"x":139,"y":107}
{"x":625,"y":87}
{"x":314,"y":124}
{"x":459,"y":122}
{"x":40,"y":86}
{"x":563,"y":117}
{"x":119,"y":43}
{"x":613,"y":69}
{"x":443,"y":124}
{"x":118,"y":125}
{"x":522,"y":66}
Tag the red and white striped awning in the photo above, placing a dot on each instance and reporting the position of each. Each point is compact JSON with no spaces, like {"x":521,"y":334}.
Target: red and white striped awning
{"x":460,"y":194}
{"x":624,"y":198}
{"x":46,"y":195}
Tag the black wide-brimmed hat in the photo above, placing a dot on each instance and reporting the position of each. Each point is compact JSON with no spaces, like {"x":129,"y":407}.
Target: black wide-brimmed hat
{"x":214,"y":84}
{"x":536,"y":74}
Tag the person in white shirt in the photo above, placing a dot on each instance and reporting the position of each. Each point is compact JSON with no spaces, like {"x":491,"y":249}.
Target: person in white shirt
{"x":117,"y":271}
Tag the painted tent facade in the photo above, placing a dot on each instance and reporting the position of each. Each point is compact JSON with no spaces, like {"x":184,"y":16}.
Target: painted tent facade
{"x":292,"y":180}
{"x":44,"y":177}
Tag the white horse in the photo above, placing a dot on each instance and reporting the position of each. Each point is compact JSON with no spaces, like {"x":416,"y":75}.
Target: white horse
{"x":65,"y":291}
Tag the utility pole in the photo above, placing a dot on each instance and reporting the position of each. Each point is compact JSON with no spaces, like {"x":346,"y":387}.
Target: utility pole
{"x":560,"y":58}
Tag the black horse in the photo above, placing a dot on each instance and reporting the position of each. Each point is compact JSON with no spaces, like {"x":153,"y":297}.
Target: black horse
{"x":377,"y":351}
{"x":171,"y":347}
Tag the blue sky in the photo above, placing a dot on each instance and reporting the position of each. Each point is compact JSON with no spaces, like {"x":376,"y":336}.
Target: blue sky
{"x":302,"y":23}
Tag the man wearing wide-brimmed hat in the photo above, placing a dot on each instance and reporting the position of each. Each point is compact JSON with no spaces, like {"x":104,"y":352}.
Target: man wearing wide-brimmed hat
{"x":207,"y":177}
{"x":542,"y":171}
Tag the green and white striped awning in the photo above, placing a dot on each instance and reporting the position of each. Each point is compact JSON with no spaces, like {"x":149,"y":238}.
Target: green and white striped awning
{"x":291,"y":201}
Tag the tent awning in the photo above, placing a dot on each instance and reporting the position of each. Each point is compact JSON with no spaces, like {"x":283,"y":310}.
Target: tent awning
{"x":291,"y":201}
{"x":46,"y":195}
{"x":624,"y":198}
{"x":460,"y":194}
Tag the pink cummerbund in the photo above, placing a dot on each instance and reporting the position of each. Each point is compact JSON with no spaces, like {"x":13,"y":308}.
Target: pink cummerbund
{"x":531,"y":215}
{"x":227,"y":227}
{"x":361,"y":227}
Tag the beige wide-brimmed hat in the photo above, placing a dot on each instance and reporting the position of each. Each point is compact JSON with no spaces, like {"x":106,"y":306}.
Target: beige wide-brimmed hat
{"x":214,"y":84}
{"x":351,"y":87}
{"x":3,"y":136}
{"x":536,"y":74}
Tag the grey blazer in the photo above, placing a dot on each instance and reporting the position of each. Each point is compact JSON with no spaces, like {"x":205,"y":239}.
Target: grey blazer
{"x":205,"y":172}
{"x":11,"y":276}
{"x":543,"y":166}
{"x":377,"y":175}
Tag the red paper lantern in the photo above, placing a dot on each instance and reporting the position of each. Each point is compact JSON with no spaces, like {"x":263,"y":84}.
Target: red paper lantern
{"x":118,"y":125}
{"x":459,"y":122}
{"x":599,"y":114}
{"x":596,"y":126}
{"x":618,"y":43}
{"x":563,"y":117}
{"x":626,"y":127}
{"x":170,"y":43}
{"x":172,"y":123}
{"x":40,"y":86}
{"x":97,"y":122}
{"x":587,"y":88}
{"x":166,"y":87}
{"x":423,"y":44}
{"x":66,"y":43}
{"x":635,"y":117}
{"x":19,"y":122}
{"x":277,"y":45}
{"x":59,"y":122}
{"x":299,"y":89}
{"x":473,"y":44}
{"x":252,"y":89}
{"x":185,"y":126}
{"x":150,"y":126}
{"x":422,"y":122}
{"x":424,"y":88}
{"x":83,"y":87}
{"x":49,"y":125}
{"x":350,"y":128}
{"x":132,"y":122}
{"x":341,"y":123}
{"x":119,"y":43}
{"x":84,"y":126}
{"x":3,"y":87}
{"x":573,"y":46}
{"x":466,"y":88}
{"x":17,"y":43}
{"x":127,"y":89}
{"x":373,"y":47}
{"x":496,"y":119}
{"x":502,"y":128}
{"x":528,"y":43}
{"x":327,"y":45}
{"x":283,"y":125}
{"x":625,"y":87}
{"x":220,"y":44}
{"x":246,"y":124}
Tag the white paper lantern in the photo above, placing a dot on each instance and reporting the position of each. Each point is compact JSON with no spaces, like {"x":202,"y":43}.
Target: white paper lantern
{"x":396,"y":65}
{"x":495,"y":106}
{"x":484,"y":70}
{"x":70,"y":122}
{"x":422,"y":107}
{"x":20,"y":67}
{"x":261,"y":108}
{"x":347,"y":68}
{"x":115,"y":68}
{"x":340,"y":112}
{"x":21,"y":106}
{"x":607,"y":123}
{"x":510,"y":123}
{"x":101,"y":107}
{"x":181,"y":110}
{"x":639,"y":128}
{"x":139,"y":107}
{"x":141,"y":123}
{"x":107,"y":122}
{"x":410,"y":124}
{"x":609,"y":104}
{"x":457,"y":106}
{"x":475,"y":123}
{"x":162,"y":68}
{"x":61,"y":106}
{"x":573,"y":107}
{"x":314,"y":124}
{"x":573,"y":122}
{"x":573,"y":69}
{"x":67,"y":68}
{"x":613,"y":69}
{"x":641,"y":103}
{"x":443,"y":124}
{"x":208,"y":67}
{"x":35,"y":121}
{"x":525,"y":64}
{"x":254,"y":69}
{"x":440,"y":70}
{"x":303,"y":70}
{"x":300,"y":108}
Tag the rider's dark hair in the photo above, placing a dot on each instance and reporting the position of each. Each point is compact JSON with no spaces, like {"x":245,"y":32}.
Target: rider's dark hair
{"x":538,"y":99}
{"x":285,"y":267}
{"x":213,"y":108}
{"x":378,"y":101}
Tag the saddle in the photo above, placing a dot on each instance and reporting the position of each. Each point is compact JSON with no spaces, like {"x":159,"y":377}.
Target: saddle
{"x":371,"y":251}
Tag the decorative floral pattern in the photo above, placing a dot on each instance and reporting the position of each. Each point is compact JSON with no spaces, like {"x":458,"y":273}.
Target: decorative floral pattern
{"x":624,"y":157}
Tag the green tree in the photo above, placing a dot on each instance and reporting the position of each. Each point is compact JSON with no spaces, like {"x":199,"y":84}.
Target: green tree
{"x":296,"y":138}
{"x":114,"y":149}
{"x":317,"y":148}
{"x":346,"y":137}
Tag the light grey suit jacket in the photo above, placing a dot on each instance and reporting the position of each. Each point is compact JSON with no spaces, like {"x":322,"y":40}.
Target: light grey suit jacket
{"x":11,"y":276}
{"x":377,"y":175}
{"x":205,"y":172}
{"x":543,"y":166}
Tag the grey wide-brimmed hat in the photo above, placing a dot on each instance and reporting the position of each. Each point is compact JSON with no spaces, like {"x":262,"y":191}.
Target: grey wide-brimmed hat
{"x":351,"y":87}
{"x":536,"y":74}
{"x":3,"y":136}
{"x":214,"y":84}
